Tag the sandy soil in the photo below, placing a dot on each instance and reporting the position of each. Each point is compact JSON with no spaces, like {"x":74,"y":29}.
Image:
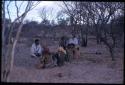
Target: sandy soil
{"x":90,"y":68}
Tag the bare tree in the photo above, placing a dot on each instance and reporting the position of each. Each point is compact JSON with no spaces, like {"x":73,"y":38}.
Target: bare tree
{"x":11,"y":48}
{"x":43,"y":13}
{"x":78,"y":18}
{"x":98,"y":14}
{"x":71,"y":10}
{"x":106,"y":12}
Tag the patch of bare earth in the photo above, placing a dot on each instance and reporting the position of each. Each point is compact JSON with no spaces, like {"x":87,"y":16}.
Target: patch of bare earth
{"x":90,"y":68}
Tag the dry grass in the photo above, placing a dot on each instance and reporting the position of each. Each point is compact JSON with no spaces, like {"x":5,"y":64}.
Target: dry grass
{"x":90,"y":68}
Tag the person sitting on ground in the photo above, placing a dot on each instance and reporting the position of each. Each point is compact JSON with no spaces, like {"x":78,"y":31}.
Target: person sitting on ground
{"x":77,"y":53}
{"x":73,"y":44}
{"x":73,"y":40}
{"x":46,"y":58}
{"x":59,"y":56}
{"x":63,"y":42}
{"x":36,"y":49}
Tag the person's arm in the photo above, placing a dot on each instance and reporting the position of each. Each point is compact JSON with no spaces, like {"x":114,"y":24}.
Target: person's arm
{"x":69,"y":41}
{"x":76,"y":41}
{"x":32,"y":50}
{"x":40,"y":49}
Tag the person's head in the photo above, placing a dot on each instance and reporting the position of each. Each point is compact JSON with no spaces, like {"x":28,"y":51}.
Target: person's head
{"x":77,"y":48}
{"x":62,"y":38}
{"x":73,"y":36}
{"x":37,"y":41}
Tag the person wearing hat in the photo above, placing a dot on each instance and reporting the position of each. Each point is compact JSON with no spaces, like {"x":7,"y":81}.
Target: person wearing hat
{"x":36,"y":49}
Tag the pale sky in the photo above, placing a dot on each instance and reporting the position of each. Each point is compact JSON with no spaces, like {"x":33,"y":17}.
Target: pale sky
{"x":34,"y":15}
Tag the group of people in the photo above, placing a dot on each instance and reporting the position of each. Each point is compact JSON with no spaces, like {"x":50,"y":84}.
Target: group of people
{"x":68,"y":49}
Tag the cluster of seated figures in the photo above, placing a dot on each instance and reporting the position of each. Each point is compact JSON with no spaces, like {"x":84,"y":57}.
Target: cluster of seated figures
{"x":52,"y":59}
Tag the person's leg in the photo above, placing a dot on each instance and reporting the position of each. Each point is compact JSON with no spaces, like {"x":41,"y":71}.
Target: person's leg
{"x":44,"y":62}
{"x":33,"y":55}
{"x":40,"y":63}
{"x":66,"y":57}
{"x":54,"y":59}
{"x":58,"y":62}
{"x":38,"y":54}
{"x":61,"y":58}
{"x":69,"y":54}
{"x":57,"y":58}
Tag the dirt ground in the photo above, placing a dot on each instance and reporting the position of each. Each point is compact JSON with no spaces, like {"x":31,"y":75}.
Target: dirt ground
{"x":89,"y":68}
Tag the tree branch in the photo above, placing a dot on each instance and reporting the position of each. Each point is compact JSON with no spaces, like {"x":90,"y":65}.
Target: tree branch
{"x":8,"y":12}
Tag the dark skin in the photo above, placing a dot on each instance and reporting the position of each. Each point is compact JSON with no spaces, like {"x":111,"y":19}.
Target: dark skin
{"x":73,"y":36}
{"x":37,"y":42}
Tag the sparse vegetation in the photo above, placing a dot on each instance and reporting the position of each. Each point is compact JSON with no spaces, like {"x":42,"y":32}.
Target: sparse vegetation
{"x":99,"y":27}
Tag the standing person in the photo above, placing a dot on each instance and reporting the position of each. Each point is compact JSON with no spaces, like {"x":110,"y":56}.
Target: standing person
{"x":36,"y":49}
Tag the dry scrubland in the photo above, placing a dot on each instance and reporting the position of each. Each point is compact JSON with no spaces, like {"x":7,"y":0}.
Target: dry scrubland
{"x":90,"y":68}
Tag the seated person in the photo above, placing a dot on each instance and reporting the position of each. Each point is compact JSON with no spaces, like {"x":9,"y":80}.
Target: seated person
{"x":36,"y":49}
{"x":77,"y":52}
{"x":63,"y":42}
{"x":70,"y":51}
{"x":73,"y":41}
{"x":46,"y":58}
{"x":59,"y":56}
{"x":72,"y":45}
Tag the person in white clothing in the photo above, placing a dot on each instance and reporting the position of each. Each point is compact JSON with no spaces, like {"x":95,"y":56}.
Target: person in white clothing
{"x":36,"y":49}
{"x":73,"y":40}
{"x":74,"y":45}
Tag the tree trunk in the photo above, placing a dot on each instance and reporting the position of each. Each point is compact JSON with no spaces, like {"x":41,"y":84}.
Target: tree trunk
{"x":110,"y":46}
{"x":111,"y":50}
{"x":3,"y":25}
{"x":98,"y":38}
{"x":3,"y":41}
{"x":6,"y":62}
{"x":83,"y":38}
{"x":14,"y":46}
{"x":9,"y":65}
{"x":97,"y":34}
{"x":86,"y":40}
